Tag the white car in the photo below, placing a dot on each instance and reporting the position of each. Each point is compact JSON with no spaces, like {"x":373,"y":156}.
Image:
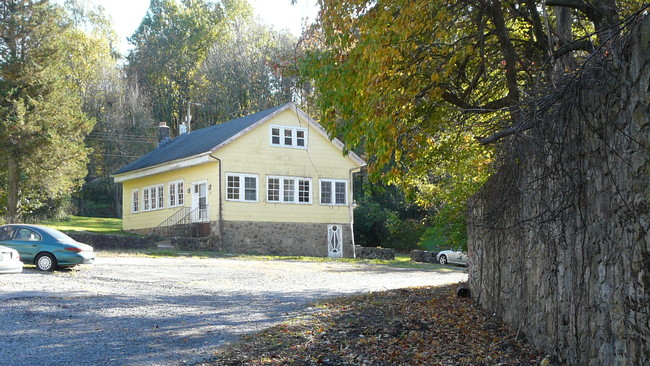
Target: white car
{"x":453,"y":257}
{"x":9,"y":261}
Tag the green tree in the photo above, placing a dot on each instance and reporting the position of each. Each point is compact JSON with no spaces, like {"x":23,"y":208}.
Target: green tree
{"x":170,"y":46}
{"x":384,"y":218}
{"x":425,"y":88}
{"x":124,"y":128}
{"x":42,"y":126}
{"x":244,"y":71}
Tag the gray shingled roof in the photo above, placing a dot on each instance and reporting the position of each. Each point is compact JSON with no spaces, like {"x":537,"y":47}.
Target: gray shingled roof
{"x":196,"y":142}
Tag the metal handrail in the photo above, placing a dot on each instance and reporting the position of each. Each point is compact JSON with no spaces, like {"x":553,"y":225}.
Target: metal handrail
{"x":164,"y":228}
{"x":177,"y":224}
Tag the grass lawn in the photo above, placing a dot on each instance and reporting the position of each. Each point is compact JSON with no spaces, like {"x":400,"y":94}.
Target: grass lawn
{"x":400,"y":261}
{"x":99,"y":225}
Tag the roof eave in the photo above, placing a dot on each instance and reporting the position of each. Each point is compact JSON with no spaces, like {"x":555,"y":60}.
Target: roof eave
{"x":189,"y":161}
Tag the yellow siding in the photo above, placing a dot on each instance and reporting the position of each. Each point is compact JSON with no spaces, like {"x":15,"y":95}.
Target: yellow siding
{"x":252,"y":153}
{"x":149,"y":219}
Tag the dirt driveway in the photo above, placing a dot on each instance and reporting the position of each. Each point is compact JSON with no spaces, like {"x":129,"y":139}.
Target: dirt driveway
{"x":170,"y":311}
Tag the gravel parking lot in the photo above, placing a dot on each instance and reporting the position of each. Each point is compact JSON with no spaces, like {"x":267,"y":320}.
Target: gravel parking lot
{"x":170,"y":311}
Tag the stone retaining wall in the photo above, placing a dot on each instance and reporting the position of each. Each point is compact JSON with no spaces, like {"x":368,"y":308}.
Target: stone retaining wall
{"x":559,"y":241}
{"x":375,"y":253}
{"x":205,"y":243}
{"x":107,"y":241}
{"x":423,"y":256}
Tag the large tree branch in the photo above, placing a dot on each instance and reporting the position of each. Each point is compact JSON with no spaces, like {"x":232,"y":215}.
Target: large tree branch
{"x":491,"y":106}
{"x":603,"y":13}
{"x":538,"y":27}
{"x":583,"y":45}
{"x":575,"y":4}
{"x":508,"y":49}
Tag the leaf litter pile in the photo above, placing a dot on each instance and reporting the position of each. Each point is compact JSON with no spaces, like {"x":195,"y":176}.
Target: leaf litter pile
{"x":415,"y":326}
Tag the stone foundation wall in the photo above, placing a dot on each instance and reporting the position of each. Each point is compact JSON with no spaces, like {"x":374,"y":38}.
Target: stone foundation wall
{"x":559,"y":241}
{"x":203,"y":243}
{"x":103,"y":241}
{"x":278,"y":238}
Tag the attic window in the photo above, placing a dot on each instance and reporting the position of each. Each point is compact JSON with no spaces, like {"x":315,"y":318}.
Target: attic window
{"x":275,"y":135}
{"x":285,"y":136}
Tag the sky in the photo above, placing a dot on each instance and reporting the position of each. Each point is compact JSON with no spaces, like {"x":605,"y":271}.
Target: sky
{"x":280,"y":14}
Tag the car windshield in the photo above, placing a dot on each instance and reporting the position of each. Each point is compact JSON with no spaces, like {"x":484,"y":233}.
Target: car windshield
{"x":56,"y":234}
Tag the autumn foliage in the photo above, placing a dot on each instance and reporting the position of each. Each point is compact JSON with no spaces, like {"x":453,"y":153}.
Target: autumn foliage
{"x":417,"y":326}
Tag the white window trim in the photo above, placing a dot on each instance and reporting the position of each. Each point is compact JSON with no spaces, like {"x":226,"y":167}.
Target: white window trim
{"x":332,"y":183}
{"x":294,"y":136}
{"x":242,"y":187}
{"x":153,"y":188}
{"x":179,"y":192}
{"x":136,"y":201}
{"x":295,"y":189}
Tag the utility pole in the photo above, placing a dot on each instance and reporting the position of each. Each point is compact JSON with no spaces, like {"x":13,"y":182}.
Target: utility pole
{"x":189,"y":116}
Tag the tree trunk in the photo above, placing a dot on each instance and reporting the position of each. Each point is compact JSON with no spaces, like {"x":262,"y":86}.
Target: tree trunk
{"x":117,"y":198}
{"x":13,"y":189}
{"x":565,"y":63}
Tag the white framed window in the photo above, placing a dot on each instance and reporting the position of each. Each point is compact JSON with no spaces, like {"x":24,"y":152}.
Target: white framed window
{"x":145,"y":200}
{"x":241,"y":187}
{"x":176,"y":194}
{"x":275,"y":135}
{"x":333,"y":192}
{"x":161,"y":196}
{"x":273,"y":189}
{"x":301,"y":137}
{"x":153,"y":197}
{"x":304,"y":190}
{"x":286,"y":136}
{"x":288,"y":190}
{"x":135,"y":200}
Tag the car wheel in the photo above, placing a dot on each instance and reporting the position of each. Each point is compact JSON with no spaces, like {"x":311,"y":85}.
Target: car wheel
{"x":45,"y":262}
{"x":443,"y":259}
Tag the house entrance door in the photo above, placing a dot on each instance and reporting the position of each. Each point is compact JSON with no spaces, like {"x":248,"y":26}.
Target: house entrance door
{"x":199,"y":201}
{"x":334,"y":241}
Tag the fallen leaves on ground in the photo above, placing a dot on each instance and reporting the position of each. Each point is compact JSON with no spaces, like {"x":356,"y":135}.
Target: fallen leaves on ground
{"x":416,"y":326}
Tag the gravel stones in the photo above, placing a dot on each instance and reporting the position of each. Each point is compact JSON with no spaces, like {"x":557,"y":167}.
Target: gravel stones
{"x":170,"y":311}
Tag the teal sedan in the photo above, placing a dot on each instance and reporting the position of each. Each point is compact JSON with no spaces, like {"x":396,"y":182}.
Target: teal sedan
{"x":46,"y":248}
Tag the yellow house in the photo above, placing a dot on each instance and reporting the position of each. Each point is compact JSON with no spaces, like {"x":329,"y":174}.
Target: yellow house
{"x":270,"y":182}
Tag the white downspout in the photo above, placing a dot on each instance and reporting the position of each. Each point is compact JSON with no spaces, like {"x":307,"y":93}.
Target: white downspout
{"x":351,"y":205}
